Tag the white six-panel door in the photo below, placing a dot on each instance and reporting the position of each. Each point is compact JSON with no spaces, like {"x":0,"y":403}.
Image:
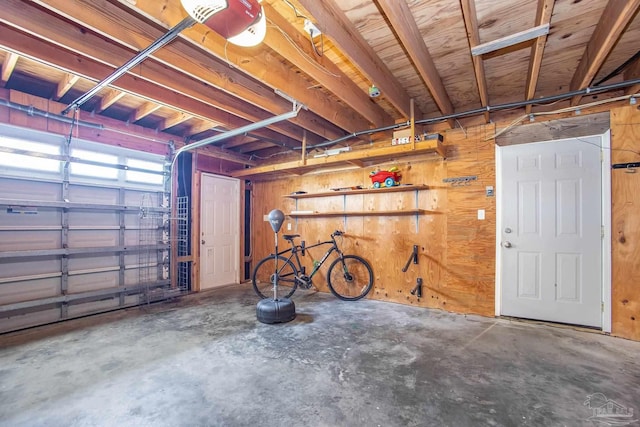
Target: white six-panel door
{"x":219,"y":231}
{"x":551,"y":231}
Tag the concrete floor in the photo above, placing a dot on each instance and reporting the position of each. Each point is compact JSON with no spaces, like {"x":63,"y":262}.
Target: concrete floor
{"x":206,"y":361}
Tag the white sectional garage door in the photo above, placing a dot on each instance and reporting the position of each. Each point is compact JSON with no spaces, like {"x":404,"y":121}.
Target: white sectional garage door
{"x":77,"y":237}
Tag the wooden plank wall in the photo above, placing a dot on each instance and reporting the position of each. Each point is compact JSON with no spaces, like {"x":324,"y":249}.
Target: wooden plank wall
{"x":625,"y":222}
{"x":457,"y":251}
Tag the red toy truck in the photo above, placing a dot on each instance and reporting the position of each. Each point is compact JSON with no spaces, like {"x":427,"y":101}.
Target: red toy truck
{"x":385,"y":178}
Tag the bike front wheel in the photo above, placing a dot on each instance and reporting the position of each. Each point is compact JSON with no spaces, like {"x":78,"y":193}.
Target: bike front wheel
{"x":350,"y":278}
{"x":265,"y":275}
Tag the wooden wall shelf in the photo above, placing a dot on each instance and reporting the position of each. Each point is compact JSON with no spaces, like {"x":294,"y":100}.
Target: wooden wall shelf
{"x":344,"y":193}
{"x":394,"y":189}
{"x":360,"y":213}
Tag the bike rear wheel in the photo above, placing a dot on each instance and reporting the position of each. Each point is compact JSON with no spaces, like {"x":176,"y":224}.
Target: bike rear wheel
{"x":350,"y":278}
{"x":265,"y":273}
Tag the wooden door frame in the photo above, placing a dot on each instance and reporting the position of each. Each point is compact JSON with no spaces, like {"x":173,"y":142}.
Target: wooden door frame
{"x":605,"y":169}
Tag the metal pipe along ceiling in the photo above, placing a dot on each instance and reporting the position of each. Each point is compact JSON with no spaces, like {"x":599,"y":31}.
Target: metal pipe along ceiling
{"x":478,"y":111}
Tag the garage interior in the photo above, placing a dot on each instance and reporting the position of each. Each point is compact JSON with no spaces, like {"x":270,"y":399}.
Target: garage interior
{"x":143,"y":146}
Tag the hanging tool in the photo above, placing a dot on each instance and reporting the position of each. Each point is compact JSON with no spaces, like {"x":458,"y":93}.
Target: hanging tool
{"x":412,"y":258}
{"x":417,"y":291}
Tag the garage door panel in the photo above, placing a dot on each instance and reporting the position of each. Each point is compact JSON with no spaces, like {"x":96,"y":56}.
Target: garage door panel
{"x":95,"y":195}
{"x":19,"y":321}
{"x":29,"y":240}
{"x":29,"y":218}
{"x":75,"y":310}
{"x":78,"y":263}
{"x":14,"y":292}
{"x":94,"y":219}
{"x":93,"y":282}
{"x":30,"y":190}
{"x":92,"y":238}
{"x":26,"y":267}
{"x":38,"y":288}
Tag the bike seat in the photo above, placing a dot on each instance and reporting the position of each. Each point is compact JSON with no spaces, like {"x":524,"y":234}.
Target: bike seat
{"x":290,"y":237}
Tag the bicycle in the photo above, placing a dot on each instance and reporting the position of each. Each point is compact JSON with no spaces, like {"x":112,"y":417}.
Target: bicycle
{"x":349,"y":276}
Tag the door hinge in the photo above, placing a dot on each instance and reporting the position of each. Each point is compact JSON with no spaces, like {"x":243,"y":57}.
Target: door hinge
{"x":602,"y":232}
{"x":602,"y":307}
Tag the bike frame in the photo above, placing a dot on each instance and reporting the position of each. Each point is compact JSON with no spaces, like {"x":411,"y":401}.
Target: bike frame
{"x":296,"y":248}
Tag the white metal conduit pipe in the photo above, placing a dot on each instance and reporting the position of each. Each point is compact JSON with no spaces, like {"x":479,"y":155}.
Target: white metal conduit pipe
{"x":234,"y":132}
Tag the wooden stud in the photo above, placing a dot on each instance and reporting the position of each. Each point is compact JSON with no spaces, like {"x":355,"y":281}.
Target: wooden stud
{"x":473,"y":34}
{"x":111,"y":97}
{"x":143,"y":111}
{"x":8,"y":66}
{"x":335,"y":24}
{"x":65,"y":85}
{"x":615,"y":17}
{"x":543,"y":16}
{"x":321,"y":69}
{"x":404,"y":25}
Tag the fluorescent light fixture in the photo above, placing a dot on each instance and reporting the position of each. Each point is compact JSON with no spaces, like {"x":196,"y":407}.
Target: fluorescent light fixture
{"x":333,"y":152}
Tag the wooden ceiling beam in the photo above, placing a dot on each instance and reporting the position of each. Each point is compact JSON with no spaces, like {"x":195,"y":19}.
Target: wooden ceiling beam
{"x":334,"y":23}
{"x":8,"y":65}
{"x":44,"y":52}
{"x":320,"y":68}
{"x":65,"y":85}
{"x":256,"y":146}
{"x":632,"y":72}
{"x":203,"y":126}
{"x":543,"y":16}
{"x":61,"y":32}
{"x":473,"y":35}
{"x":111,"y":97}
{"x":174,"y":120}
{"x":404,"y":25}
{"x":143,"y":111}
{"x":238,"y":141}
{"x":191,"y":54}
{"x":615,"y":18}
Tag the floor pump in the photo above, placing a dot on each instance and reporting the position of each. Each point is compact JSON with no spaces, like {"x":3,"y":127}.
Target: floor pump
{"x":275,"y":310}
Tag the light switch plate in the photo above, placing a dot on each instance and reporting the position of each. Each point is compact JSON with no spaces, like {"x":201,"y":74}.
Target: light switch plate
{"x":481,"y":214}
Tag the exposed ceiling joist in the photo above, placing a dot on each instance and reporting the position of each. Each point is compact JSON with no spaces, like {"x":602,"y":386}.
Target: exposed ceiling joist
{"x":91,"y":46}
{"x":92,"y":70}
{"x":615,"y":17}
{"x":404,"y":25}
{"x":321,"y":69}
{"x":143,"y":111}
{"x":97,"y":48}
{"x":8,"y":65}
{"x":174,"y":120}
{"x":259,"y":64}
{"x":335,"y":25}
{"x":111,"y":97}
{"x":633,"y":72}
{"x":543,"y":17}
{"x":65,"y":85}
{"x":473,"y":34}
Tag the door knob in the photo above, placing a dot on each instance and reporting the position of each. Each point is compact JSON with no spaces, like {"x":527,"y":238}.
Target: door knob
{"x":507,"y":244}
{"x":202,"y":242}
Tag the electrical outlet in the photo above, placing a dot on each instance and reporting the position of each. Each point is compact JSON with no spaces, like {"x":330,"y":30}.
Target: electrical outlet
{"x":311,"y":29}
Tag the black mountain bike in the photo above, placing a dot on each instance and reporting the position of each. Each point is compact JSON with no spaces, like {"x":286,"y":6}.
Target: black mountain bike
{"x":349,"y":276}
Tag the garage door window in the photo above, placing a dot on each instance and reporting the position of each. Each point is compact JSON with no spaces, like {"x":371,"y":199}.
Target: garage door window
{"x":29,"y":162}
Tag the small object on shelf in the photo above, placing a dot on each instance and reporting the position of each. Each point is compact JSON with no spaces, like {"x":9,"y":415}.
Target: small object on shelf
{"x":299,"y":192}
{"x":388,"y":178}
{"x":357,"y":187}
